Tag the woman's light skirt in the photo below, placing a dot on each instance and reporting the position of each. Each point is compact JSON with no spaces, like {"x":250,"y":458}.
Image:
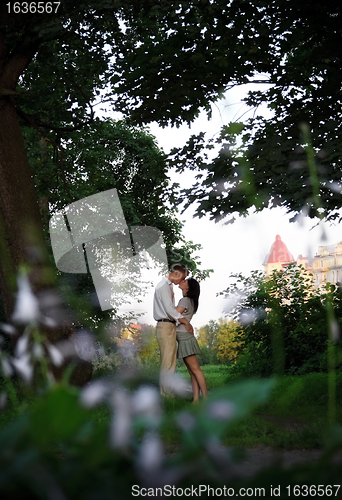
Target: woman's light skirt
{"x":187,"y":345}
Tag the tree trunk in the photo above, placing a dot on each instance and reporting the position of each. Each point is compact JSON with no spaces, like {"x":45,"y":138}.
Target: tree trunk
{"x":21,"y":232}
{"x":22,"y":240}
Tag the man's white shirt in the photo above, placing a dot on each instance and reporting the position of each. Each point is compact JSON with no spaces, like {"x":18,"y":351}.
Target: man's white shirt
{"x":163,"y":303}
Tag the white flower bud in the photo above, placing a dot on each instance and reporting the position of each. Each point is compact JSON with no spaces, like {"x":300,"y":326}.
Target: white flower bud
{"x":26,"y":308}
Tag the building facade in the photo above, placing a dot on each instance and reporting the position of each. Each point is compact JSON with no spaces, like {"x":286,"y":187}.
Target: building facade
{"x":327,"y":264}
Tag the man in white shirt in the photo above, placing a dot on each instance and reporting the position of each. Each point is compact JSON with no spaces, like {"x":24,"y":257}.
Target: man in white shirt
{"x":167,"y":317}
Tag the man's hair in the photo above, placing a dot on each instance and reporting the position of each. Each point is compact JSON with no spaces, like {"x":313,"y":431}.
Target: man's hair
{"x":180,"y":268}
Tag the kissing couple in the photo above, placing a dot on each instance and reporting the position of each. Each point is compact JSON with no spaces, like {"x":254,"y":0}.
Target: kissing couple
{"x":173,"y":326}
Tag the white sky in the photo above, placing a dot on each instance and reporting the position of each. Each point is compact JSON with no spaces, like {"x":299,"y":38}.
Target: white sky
{"x":242,"y":246}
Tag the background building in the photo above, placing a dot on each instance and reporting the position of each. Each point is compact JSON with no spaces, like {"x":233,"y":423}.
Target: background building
{"x":278,"y":257}
{"x":327,"y":264}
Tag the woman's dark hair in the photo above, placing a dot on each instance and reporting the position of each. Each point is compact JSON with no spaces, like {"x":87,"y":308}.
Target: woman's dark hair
{"x":193,"y":292}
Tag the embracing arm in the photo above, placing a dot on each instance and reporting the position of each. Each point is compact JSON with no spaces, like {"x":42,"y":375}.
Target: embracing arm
{"x":164,"y":305}
{"x":188,"y":326}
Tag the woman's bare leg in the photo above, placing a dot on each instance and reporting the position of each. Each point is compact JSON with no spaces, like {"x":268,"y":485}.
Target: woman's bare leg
{"x":194,"y":384}
{"x":194,"y":368}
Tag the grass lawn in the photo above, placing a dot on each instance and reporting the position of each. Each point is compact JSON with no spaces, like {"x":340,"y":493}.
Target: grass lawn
{"x":295,"y":415}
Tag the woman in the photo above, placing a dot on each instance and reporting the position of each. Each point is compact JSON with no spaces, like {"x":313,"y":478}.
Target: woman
{"x":187,"y":344}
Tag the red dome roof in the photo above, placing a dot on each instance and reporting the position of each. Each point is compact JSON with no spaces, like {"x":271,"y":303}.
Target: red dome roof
{"x":278,"y":253}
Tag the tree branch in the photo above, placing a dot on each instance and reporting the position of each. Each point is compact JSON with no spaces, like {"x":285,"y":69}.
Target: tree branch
{"x":29,"y":120}
{"x":38,"y":123}
{"x":18,"y":61}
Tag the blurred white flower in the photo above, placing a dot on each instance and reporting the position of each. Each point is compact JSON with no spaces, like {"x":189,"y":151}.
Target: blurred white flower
{"x":186,"y":421}
{"x":52,"y":309}
{"x":146,"y":401}
{"x":7,"y":368}
{"x":9,"y":329}
{"x":301,"y":218}
{"x":120,"y":430}
{"x":24,"y":367}
{"x":100,"y":350}
{"x":334,"y":330}
{"x":49,"y":322}
{"x":3,"y":400}
{"x":84,"y":345}
{"x":66,"y":347}
{"x":94,"y":394}
{"x":335,"y":187}
{"x":221,"y":410}
{"x":151,"y":453}
{"x":324,"y":236}
{"x":37,"y":351}
{"x":127,"y":350}
{"x":21,"y":347}
{"x":217,"y":451}
{"x":296,"y":165}
{"x":56,"y":356}
{"x":26,"y":309}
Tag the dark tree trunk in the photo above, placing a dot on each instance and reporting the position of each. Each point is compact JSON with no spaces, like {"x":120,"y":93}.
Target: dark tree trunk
{"x":21,"y":232}
{"x":21,"y":229}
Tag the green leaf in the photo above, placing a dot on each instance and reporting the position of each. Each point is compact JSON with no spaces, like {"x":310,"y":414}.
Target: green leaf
{"x":56,"y":417}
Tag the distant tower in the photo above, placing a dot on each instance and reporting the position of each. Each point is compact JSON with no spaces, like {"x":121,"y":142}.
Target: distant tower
{"x":278,"y":257}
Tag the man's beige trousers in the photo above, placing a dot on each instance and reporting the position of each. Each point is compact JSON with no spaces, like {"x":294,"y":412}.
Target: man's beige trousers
{"x":166,"y":336}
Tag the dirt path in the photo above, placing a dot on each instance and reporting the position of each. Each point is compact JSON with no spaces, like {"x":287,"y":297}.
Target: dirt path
{"x":261,"y":457}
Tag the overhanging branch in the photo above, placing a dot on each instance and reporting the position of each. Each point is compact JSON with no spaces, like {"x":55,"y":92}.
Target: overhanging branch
{"x":57,"y":146}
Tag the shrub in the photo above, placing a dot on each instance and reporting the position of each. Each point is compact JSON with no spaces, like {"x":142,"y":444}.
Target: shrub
{"x":285,"y":323}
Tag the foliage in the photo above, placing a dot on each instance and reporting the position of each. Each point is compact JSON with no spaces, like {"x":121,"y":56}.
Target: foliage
{"x":77,"y":458}
{"x":216,"y":341}
{"x":54,"y":444}
{"x":227,"y":346}
{"x":207,"y":341}
{"x":108,"y":154}
{"x":59,"y":442}
{"x":135,"y":345}
{"x":299,"y":74}
{"x":56,"y":68}
{"x":111,"y":154}
{"x":287,"y":49}
{"x":284,"y":322}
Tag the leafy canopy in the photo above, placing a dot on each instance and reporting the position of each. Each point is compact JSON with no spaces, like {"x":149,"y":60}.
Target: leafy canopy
{"x":165,"y":61}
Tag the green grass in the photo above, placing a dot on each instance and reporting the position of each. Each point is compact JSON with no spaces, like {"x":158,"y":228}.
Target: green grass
{"x":216,"y":375}
{"x":295,"y":415}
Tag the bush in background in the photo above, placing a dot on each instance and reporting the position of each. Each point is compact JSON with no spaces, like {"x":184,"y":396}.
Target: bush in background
{"x":286,"y":326}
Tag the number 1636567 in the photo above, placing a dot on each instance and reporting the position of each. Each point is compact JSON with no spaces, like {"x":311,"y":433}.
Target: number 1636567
{"x":32,"y":7}
{"x":314,"y":490}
